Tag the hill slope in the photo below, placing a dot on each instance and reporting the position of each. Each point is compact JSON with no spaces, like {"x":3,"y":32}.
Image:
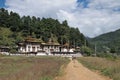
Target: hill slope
{"x":107,"y":41}
{"x":14,"y":28}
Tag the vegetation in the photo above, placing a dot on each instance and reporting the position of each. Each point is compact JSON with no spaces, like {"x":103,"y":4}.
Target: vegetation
{"x":106,"y":66}
{"x":108,"y":42}
{"x":15,"y":28}
{"x":30,"y":68}
{"x":86,"y":51}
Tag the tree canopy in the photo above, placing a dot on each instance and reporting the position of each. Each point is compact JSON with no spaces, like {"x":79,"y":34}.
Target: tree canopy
{"x":40,"y":28}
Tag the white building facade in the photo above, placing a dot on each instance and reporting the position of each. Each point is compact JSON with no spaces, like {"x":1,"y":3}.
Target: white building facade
{"x":51,"y":47}
{"x":38,"y":47}
{"x":29,"y":47}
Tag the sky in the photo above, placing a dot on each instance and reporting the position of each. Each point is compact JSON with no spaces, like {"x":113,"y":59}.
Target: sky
{"x":2,"y":3}
{"x":92,"y":17}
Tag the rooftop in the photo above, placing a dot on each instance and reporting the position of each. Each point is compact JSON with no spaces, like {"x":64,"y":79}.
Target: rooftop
{"x":30,"y":39}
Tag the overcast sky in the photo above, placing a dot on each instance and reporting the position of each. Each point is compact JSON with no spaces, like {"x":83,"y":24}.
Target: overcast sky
{"x":92,"y":17}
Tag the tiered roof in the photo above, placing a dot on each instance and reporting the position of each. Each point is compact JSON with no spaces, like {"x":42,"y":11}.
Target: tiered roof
{"x":51,"y":42}
{"x":30,"y":39}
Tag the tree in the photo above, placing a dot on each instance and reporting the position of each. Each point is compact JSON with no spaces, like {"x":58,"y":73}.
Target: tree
{"x":112,"y":50}
{"x":4,"y":17}
{"x":65,"y":23}
{"x":21,"y":27}
{"x":14,"y":21}
{"x":86,"y":50}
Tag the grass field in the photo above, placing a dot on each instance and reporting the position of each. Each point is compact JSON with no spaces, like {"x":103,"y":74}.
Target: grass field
{"x":30,"y":68}
{"x":107,"y":67}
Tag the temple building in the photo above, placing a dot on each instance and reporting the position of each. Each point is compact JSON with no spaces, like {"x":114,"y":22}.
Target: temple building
{"x":32,"y":45}
{"x":4,"y":50}
{"x":29,"y":45}
{"x":51,"y":46}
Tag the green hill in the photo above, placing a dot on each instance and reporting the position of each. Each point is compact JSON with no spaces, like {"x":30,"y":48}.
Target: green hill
{"x":107,"y":42}
{"x":14,"y":28}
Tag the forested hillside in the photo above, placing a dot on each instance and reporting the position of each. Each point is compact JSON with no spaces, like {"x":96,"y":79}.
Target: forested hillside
{"x":14,"y":28}
{"x":108,"y":42}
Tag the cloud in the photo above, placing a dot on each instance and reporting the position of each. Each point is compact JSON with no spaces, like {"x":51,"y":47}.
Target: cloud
{"x":92,"y":17}
{"x":40,"y":8}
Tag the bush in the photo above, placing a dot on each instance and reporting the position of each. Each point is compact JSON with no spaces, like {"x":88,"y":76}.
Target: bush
{"x":86,"y":51}
{"x":107,"y":55}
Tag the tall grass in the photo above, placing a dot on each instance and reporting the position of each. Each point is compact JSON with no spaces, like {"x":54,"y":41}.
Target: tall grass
{"x":30,"y":68}
{"x":107,"y":67}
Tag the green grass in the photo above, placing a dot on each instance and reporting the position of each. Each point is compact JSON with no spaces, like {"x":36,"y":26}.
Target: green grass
{"x":30,"y":68}
{"x":107,"y":67}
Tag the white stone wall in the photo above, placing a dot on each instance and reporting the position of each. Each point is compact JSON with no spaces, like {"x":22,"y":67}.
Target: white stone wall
{"x":36,"y":47}
{"x":48,"y":48}
{"x":30,"y":48}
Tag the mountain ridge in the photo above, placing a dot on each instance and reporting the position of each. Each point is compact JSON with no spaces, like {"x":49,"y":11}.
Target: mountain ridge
{"x":110,"y":40}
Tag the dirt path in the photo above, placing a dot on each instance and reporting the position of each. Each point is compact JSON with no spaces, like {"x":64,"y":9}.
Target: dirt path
{"x":76,"y":71}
